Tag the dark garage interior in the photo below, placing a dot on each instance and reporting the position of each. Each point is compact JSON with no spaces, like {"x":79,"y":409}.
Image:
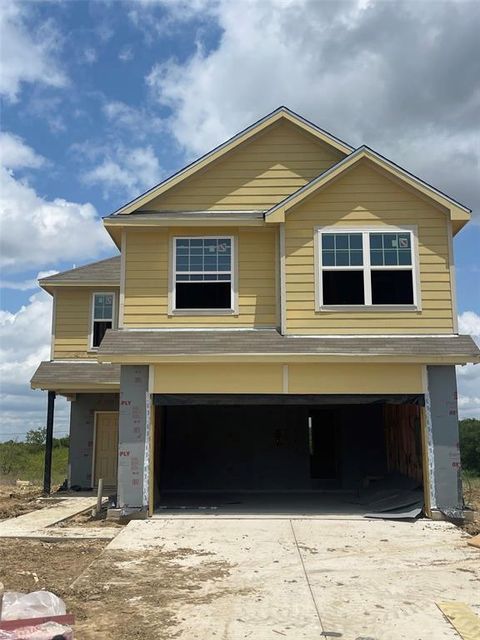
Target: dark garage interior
{"x":227,"y":456}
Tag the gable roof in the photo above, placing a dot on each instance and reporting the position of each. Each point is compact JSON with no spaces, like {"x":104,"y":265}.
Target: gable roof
{"x":282,"y":113}
{"x":103,"y":272}
{"x":458,"y":212}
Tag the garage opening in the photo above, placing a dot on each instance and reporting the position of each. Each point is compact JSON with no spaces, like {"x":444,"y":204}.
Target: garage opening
{"x":216,"y":455}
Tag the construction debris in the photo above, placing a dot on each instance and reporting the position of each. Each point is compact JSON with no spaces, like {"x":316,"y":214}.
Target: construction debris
{"x":475,"y":541}
{"x":39,"y":615}
{"x":462,"y":618}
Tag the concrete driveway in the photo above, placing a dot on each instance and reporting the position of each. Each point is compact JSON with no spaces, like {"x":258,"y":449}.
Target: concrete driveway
{"x":309,"y":578}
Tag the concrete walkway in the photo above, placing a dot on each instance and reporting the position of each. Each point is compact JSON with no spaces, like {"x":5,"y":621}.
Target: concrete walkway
{"x":308,"y":579}
{"x":39,"y":523}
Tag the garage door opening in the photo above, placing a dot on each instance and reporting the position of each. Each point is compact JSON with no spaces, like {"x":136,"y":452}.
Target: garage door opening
{"x":289,"y":458}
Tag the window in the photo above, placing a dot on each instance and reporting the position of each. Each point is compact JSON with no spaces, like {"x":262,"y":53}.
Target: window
{"x":103,"y":309}
{"x":203,"y":273}
{"x":366,"y":268}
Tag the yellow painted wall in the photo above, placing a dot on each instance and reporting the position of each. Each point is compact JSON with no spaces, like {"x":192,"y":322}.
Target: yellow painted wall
{"x":147,"y":279}
{"x":355,"y":378}
{"x":364,"y":197}
{"x":218,"y":378}
{"x":72,"y":321}
{"x":256,"y":175}
{"x":302,"y":378}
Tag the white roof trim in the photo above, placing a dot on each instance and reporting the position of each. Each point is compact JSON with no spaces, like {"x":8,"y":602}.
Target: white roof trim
{"x":336,"y":141}
{"x":363,"y":151}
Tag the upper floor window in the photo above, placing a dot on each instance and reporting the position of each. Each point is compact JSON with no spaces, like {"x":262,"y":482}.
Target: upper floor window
{"x":203,"y":273}
{"x":366,"y":268}
{"x":102,"y":316}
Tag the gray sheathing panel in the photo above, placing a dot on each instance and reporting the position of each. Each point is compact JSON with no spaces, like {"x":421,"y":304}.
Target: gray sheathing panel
{"x":82,"y":417}
{"x":442,"y":426}
{"x":133,"y":438}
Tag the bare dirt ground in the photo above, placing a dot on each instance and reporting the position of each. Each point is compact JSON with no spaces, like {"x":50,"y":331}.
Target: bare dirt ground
{"x":471,"y":492}
{"x":121,"y":595}
{"x":15,"y":501}
{"x":31,"y":565}
{"x":87,"y":520}
{"x":114,"y":595}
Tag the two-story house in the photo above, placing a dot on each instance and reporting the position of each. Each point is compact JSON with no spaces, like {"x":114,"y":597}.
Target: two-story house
{"x":281,"y":318}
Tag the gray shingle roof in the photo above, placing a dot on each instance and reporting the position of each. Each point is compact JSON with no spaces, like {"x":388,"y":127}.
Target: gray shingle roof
{"x":268,"y":342}
{"x":102,"y":272}
{"x":68,"y":375}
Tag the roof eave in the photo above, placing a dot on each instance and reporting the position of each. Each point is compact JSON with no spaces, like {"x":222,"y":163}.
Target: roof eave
{"x":72,"y":283}
{"x":285,"y":358}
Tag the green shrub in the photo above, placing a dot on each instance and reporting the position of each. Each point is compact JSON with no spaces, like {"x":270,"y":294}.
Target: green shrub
{"x":25,"y":461}
{"x":470,"y":445}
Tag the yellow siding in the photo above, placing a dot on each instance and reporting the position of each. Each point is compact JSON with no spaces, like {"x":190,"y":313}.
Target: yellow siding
{"x":364,"y":197}
{"x":302,"y":378}
{"x":257,"y":175}
{"x":355,"y":378}
{"x":72,"y":321}
{"x":218,"y":378}
{"x":147,"y":279}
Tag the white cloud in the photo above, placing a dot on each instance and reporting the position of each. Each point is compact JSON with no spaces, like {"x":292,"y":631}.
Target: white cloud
{"x":138,"y":121}
{"x":126,"y":54}
{"x":35,"y":231}
{"x":468,"y":376}
{"x":172,"y":17}
{"x":24,"y":343}
{"x":28,"y":54}
{"x":469,"y":322}
{"x":401,"y":77}
{"x":48,"y":108}
{"x":89,"y":55}
{"x":26,"y":285}
{"x":128,"y":171}
{"x":15,"y":154}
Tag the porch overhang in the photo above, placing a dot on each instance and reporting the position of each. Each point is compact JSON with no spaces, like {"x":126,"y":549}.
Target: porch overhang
{"x":66,"y":378}
{"x":125,"y":346}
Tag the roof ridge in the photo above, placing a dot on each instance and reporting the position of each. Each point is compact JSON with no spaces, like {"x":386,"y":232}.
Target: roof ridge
{"x":264,"y":119}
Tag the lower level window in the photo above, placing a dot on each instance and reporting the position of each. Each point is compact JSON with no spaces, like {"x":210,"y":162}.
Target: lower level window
{"x":366,"y":268}
{"x":103,"y":305}
{"x":203,"y":273}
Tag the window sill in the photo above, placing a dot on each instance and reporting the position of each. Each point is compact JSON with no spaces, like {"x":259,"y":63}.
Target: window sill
{"x":203,"y":312}
{"x":369,"y":308}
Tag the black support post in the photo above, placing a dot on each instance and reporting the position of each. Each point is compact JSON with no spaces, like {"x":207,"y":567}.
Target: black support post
{"x":47,"y":476}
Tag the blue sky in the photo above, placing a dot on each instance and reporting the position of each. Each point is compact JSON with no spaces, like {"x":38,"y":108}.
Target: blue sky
{"x":101,"y":100}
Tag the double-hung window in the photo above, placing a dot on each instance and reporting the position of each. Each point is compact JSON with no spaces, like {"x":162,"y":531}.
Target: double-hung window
{"x":203,"y":273}
{"x":372,"y":268}
{"x":102,"y":316}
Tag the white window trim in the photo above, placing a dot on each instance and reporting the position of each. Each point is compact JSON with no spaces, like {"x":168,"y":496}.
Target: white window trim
{"x":233,"y":310}
{"x":366,"y":268}
{"x":92,"y":313}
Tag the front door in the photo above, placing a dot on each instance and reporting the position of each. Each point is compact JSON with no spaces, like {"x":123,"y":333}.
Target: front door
{"x":106,"y":448}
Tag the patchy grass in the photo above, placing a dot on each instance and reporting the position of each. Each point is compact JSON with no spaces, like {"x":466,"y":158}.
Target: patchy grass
{"x":471,"y":495}
{"x":23,"y":461}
